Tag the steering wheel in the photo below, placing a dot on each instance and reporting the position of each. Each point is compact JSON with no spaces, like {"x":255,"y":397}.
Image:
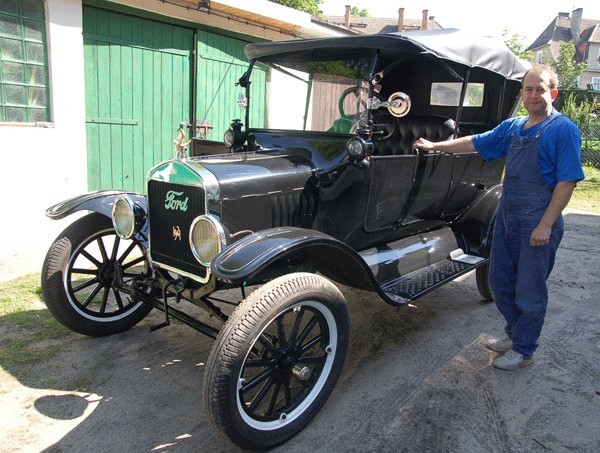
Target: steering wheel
{"x":384,"y":126}
{"x":344,"y":95}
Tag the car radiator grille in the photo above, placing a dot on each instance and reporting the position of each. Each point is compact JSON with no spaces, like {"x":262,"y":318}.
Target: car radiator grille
{"x":171,"y":211}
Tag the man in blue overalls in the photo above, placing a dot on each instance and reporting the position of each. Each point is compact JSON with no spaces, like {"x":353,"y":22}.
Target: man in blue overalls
{"x":543,"y":167}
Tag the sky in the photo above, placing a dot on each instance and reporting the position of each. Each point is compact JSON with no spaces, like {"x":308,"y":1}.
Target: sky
{"x":527,"y":18}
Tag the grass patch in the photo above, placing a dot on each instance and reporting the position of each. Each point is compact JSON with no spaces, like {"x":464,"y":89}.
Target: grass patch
{"x":587,"y":193}
{"x":592,"y":174}
{"x":19,"y":294}
{"x":20,"y":352}
{"x":28,"y":329}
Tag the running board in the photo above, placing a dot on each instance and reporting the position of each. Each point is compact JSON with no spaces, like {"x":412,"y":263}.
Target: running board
{"x":405,"y":289}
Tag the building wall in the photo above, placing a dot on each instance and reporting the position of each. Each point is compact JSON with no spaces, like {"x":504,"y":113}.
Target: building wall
{"x":43,"y":165}
{"x":593,"y":68}
{"x":594,"y":57}
{"x":552,"y":51}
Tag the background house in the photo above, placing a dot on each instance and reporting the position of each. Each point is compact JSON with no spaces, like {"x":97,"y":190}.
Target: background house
{"x":92,"y":92}
{"x":371,"y":25}
{"x":585,"y":34}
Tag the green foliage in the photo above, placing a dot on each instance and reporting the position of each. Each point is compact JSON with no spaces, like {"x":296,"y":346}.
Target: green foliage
{"x":576,"y":110}
{"x":579,"y":97}
{"x":362,"y":13}
{"x":308,"y":6}
{"x":567,"y":69}
{"x":516,"y":45}
{"x":522,"y":111}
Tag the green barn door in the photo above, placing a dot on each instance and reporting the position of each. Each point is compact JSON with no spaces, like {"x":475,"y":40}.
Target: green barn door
{"x":221,"y":63}
{"x":138,"y":90}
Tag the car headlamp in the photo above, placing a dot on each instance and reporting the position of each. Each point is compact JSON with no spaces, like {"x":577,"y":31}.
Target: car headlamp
{"x":229,"y":138}
{"x":358,"y":148}
{"x":127,"y":216}
{"x":234,"y":137}
{"x":207,"y":238}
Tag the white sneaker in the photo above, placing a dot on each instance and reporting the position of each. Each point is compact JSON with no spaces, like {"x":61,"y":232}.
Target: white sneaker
{"x":499,"y":344}
{"x":512,"y":360}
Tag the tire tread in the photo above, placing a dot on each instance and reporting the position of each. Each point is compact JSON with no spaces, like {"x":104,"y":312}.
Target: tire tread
{"x":256,"y":310}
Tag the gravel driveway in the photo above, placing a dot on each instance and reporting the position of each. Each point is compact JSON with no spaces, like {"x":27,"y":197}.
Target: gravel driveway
{"x":416,"y":379}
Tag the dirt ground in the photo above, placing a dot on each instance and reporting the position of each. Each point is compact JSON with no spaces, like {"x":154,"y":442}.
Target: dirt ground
{"x":417,"y":379}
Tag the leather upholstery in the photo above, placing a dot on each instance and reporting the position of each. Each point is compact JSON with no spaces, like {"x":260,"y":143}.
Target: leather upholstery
{"x":408,"y":129}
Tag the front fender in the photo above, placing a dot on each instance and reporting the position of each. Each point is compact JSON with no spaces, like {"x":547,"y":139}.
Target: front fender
{"x":100,"y":201}
{"x":249,"y":256}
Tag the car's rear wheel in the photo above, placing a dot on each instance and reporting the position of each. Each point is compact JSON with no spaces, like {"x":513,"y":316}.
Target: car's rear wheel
{"x":482,"y":276}
{"x":82,"y":273}
{"x":276,"y":360}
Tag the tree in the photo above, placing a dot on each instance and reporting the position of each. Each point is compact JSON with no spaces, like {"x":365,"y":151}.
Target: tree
{"x":566,"y":68}
{"x":308,"y":6}
{"x":362,"y":13}
{"x":516,"y":45}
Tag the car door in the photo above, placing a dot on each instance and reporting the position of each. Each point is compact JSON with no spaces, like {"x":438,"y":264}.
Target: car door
{"x":407,"y":188}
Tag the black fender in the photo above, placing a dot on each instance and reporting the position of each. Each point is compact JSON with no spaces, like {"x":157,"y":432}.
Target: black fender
{"x":249,"y":256}
{"x":100,"y":201}
{"x":474,"y":227}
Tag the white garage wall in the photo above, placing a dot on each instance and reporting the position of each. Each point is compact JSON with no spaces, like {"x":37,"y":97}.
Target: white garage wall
{"x":43,"y":165}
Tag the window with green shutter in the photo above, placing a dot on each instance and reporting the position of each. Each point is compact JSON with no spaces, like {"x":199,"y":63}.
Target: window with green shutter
{"x":24,"y":96}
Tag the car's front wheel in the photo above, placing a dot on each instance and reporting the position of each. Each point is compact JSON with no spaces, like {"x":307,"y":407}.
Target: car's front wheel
{"x":82,"y":273}
{"x":276,"y":360}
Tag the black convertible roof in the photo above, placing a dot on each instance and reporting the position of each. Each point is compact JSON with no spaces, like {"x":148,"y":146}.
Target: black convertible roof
{"x":452,"y":45}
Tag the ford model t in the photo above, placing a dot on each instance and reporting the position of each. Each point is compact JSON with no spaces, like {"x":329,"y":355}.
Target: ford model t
{"x":327,"y":188}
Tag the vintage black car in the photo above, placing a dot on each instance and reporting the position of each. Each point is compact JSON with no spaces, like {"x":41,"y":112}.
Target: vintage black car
{"x":327,"y":189}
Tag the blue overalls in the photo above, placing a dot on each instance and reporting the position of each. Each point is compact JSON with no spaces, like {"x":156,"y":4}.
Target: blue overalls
{"x":518,"y":271}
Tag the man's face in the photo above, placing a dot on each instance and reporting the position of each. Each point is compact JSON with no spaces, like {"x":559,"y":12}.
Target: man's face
{"x":536,"y":93}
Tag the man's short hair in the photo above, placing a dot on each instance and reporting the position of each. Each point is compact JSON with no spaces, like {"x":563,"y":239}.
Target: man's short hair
{"x":545,"y":67}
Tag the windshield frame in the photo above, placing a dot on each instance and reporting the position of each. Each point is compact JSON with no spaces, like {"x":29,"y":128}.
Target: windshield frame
{"x":370,"y":56}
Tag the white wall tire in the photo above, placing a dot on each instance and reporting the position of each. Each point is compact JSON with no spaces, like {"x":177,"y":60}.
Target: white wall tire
{"x":276,"y":360}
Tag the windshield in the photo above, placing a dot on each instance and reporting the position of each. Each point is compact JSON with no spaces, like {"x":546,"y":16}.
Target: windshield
{"x":325,"y":96}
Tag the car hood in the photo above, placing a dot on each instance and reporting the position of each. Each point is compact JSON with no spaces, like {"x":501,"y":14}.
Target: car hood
{"x":243,"y":174}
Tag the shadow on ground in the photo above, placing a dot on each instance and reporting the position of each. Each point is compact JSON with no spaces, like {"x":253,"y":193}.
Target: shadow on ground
{"x":416,"y":379}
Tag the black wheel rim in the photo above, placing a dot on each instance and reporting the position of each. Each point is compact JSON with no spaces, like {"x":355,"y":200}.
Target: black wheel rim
{"x":98,"y":267}
{"x":287,"y":365}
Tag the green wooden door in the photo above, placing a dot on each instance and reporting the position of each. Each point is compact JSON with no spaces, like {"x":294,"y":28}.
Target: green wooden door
{"x":138,"y":90}
{"x":221,"y":63}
